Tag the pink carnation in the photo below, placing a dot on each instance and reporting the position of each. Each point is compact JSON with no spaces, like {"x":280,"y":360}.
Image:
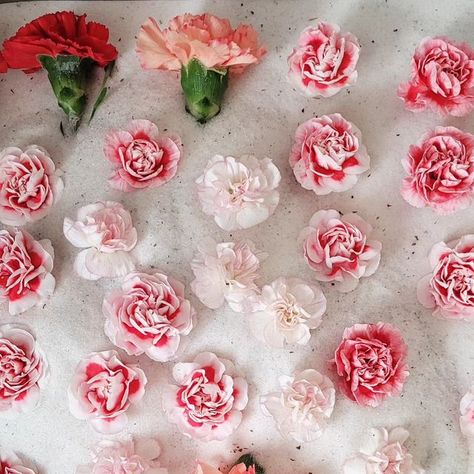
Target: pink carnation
{"x":448,"y":288}
{"x":324,"y":61}
{"x":29,"y":185}
{"x":10,"y":463}
{"x":23,"y":370}
{"x":440,"y":171}
{"x":371,"y":363}
{"x":25,"y":270}
{"x":208,"y":399}
{"x":103,"y":389}
{"x":338,"y":248}
{"x":442,"y":78}
{"x":148,"y":315}
{"x":466,"y":408}
{"x":328,"y":154}
{"x":206,"y":37}
{"x":142,"y":157}
{"x":241,"y":468}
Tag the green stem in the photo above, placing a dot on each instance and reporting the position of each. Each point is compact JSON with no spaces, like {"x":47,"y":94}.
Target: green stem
{"x":203,"y":89}
{"x":68,"y":76}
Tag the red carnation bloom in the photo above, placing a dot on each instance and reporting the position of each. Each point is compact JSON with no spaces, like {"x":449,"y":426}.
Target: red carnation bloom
{"x":3,"y":64}
{"x":54,"y":34}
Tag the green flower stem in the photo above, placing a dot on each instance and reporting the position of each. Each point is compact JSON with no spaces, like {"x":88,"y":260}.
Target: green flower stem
{"x":68,"y":76}
{"x":249,"y":460}
{"x":203,"y":89}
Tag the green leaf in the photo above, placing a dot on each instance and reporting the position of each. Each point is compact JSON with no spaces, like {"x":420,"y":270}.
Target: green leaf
{"x":68,"y":76}
{"x":249,"y":460}
{"x":203,"y":89}
{"x":103,"y":91}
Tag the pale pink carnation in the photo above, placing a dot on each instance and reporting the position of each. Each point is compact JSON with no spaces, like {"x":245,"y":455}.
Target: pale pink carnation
{"x":466,"y":408}
{"x":23,"y":371}
{"x":226,"y":272}
{"x":102,"y":390}
{"x":324,"y":61}
{"x":10,"y":463}
{"x":105,"y":230}
{"x":124,"y":457}
{"x":25,"y":270}
{"x":142,"y":157}
{"x":328,"y":154}
{"x":448,"y":289}
{"x":442,"y":78}
{"x":148,"y":315}
{"x":29,"y":185}
{"x":208,"y":399}
{"x":239,"y":193}
{"x":206,"y":37}
{"x":383,"y":452}
{"x":303,"y":406}
{"x":371,"y":363}
{"x":338,"y":248}
{"x":440,"y":171}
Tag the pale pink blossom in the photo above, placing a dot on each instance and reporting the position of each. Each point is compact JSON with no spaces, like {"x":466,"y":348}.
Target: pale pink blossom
{"x":239,"y":193}
{"x":448,"y":289}
{"x":10,"y":463}
{"x":371,"y":363}
{"x":241,"y":468}
{"x":206,"y":37}
{"x":23,"y":371}
{"x":442,"y":78}
{"x":25,"y":270}
{"x":339,"y":248}
{"x":30,"y":185}
{"x":142,"y":157}
{"x":124,"y":457}
{"x":324,"y":60}
{"x":383,"y":452}
{"x":102,"y":390}
{"x":105,"y":230}
{"x":440,"y":171}
{"x":208,"y":399}
{"x":466,"y":408}
{"x":328,"y":154}
{"x":303,"y":406}
{"x":148,"y":315}
{"x":286,"y":311}
{"x":226,"y":272}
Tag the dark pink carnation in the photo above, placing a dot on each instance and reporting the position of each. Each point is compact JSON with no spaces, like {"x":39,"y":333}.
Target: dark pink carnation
{"x":442,"y":78}
{"x":371,"y":363}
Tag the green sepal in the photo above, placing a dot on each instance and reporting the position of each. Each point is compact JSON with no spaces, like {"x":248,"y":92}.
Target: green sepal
{"x":103,"y":91}
{"x":203,"y":89}
{"x":249,"y":460}
{"x":68,"y":76}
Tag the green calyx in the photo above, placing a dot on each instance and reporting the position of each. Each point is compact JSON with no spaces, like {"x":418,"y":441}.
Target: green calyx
{"x":249,"y":461}
{"x":203,"y":89}
{"x":68,"y":76}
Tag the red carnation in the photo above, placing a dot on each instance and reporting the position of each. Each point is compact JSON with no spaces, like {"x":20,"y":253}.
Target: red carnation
{"x":3,"y":64}
{"x":66,"y":46}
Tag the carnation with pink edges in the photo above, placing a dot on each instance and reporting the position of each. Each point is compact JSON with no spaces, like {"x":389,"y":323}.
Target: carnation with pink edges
{"x":142,"y":157}
{"x":25,"y":270}
{"x":324,"y":60}
{"x":338,"y":248}
{"x":442,"y":78}
{"x":10,"y":463}
{"x":102,"y":390}
{"x":208,"y":398}
{"x":23,"y":371}
{"x":328,"y":154}
{"x":30,"y":185}
{"x":440,"y":171}
{"x":371,"y":363}
{"x":448,"y":289}
{"x":148,"y":315}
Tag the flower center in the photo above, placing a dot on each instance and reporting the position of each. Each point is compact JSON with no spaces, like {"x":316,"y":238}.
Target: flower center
{"x":289,"y":314}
